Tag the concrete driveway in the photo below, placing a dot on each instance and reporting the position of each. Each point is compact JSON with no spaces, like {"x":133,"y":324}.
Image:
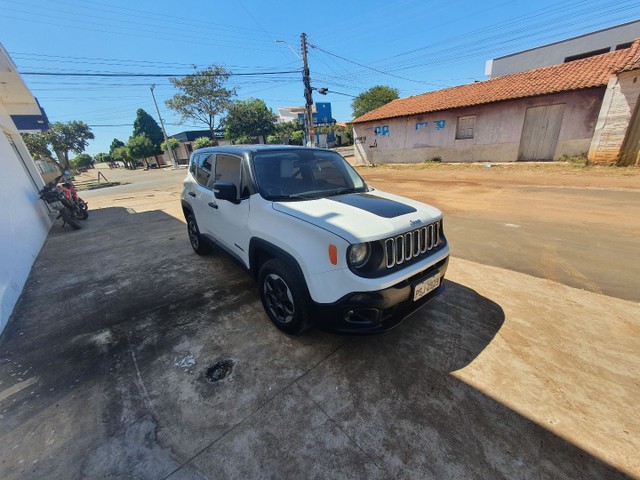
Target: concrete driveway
{"x":504,"y":376}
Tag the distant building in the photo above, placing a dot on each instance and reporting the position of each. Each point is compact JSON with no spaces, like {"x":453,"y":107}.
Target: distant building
{"x":321,"y":113}
{"x":576,"y":48}
{"x":588,"y":105}
{"x":322,"y":116}
{"x":186,"y":139}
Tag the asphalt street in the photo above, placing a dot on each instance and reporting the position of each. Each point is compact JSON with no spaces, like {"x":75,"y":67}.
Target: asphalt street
{"x":589,"y":256}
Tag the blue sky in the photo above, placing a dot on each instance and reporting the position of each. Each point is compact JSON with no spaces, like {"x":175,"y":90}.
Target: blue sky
{"x":415,"y":46}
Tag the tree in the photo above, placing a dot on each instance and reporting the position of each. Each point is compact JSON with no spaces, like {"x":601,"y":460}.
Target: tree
{"x":284,"y":130}
{"x":202,"y":142}
{"x":37,"y":145}
{"x":139,"y":147}
{"x":296,"y":138}
{"x":115,"y":144}
{"x":121,"y":154}
{"x":250,"y":118}
{"x":373,"y":98}
{"x":203,"y":95}
{"x":83,"y":160}
{"x":173,"y":145}
{"x":102,"y":158}
{"x":244,"y":140}
{"x":68,"y":137}
{"x":144,"y":124}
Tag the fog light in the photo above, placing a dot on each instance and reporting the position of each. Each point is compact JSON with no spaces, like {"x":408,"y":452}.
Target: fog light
{"x":362,"y":316}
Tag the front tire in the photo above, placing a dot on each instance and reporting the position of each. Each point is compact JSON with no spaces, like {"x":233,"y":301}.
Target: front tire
{"x":198,"y":243}
{"x":80,"y":214}
{"x":284,"y":296}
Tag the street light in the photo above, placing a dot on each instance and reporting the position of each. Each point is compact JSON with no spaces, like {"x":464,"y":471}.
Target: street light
{"x":290,"y":48}
{"x":164,"y":133}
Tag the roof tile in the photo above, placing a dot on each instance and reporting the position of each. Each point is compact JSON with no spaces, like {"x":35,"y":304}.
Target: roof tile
{"x":576,"y":75}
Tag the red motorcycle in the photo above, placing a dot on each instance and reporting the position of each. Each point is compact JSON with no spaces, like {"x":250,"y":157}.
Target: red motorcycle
{"x":80,"y":208}
{"x":66,"y":201}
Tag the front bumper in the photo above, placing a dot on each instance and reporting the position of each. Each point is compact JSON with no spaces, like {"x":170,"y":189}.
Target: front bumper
{"x":377,"y":311}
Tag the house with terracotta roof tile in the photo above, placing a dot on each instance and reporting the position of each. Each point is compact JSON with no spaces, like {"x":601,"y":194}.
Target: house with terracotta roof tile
{"x":583,"y":106}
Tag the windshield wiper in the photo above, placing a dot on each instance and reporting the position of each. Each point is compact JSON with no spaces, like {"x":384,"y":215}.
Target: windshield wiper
{"x":309,"y":194}
{"x":342,"y":191}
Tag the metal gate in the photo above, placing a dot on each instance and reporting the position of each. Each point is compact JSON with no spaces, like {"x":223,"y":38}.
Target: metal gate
{"x":540,"y":132}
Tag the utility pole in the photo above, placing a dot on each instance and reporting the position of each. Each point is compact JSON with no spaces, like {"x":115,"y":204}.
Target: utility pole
{"x":307,"y":92}
{"x":164,"y":133}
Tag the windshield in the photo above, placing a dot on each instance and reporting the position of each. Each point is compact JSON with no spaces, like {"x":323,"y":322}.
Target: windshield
{"x":301,"y":174}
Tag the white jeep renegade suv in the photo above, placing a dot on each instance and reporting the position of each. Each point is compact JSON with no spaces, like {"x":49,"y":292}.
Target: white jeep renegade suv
{"x":325,"y":248}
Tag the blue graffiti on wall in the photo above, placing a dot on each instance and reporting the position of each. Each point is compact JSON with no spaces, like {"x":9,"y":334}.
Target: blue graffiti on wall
{"x":421,"y":125}
{"x":440,"y":124}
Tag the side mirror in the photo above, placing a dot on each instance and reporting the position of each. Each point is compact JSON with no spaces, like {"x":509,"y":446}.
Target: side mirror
{"x":226,"y":191}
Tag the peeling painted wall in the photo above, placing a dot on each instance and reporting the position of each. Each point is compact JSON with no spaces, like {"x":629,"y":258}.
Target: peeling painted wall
{"x":24,"y":218}
{"x":497,"y":131}
{"x":618,"y":105}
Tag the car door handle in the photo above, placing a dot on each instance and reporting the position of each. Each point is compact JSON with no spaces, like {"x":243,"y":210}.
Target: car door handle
{"x":213,"y":205}
{"x":192,"y":194}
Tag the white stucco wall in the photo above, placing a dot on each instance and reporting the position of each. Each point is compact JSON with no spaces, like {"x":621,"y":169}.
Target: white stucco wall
{"x":24,"y":220}
{"x":497,"y":132}
{"x":617,"y":108}
{"x":555,"y":53}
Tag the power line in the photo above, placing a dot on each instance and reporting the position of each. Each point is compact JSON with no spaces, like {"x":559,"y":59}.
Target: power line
{"x":153,"y":75}
{"x":367,"y":67}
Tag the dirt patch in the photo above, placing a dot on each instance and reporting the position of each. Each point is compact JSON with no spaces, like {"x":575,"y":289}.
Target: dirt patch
{"x":513,"y":174}
{"x":554,"y":192}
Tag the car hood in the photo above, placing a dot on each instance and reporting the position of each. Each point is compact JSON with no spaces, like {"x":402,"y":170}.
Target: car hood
{"x":362,"y":217}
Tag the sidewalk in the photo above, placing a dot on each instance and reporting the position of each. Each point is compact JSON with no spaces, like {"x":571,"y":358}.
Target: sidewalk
{"x":506,"y":375}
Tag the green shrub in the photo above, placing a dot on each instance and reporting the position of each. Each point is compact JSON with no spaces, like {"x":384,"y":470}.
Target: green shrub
{"x":296,"y":138}
{"x":577,"y":160}
{"x":433,"y":160}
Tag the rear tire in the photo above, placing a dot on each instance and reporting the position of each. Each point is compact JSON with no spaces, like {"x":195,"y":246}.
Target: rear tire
{"x":69,"y":218}
{"x":284,"y":296}
{"x":198,"y":243}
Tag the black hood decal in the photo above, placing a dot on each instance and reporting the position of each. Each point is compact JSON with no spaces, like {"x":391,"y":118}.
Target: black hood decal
{"x":380,"y":206}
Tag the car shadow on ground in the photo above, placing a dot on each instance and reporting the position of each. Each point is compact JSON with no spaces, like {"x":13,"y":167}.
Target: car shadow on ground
{"x":107,"y":354}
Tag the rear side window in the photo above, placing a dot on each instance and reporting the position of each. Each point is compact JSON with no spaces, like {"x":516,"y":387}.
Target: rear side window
{"x":203,"y":170}
{"x":194,"y":163}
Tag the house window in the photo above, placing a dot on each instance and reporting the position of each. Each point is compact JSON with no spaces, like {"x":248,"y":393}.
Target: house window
{"x":465,"y":127}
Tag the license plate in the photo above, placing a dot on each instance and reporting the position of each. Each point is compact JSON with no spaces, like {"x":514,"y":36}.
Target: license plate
{"x":426,"y":286}
{"x":56,"y":205}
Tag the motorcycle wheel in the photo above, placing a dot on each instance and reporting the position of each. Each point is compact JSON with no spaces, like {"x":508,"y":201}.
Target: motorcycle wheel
{"x":81,"y":214}
{"x":69,"y":218}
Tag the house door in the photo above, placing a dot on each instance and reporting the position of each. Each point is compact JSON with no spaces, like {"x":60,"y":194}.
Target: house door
{"x":630,"y":153}
{"x":540,"y":132}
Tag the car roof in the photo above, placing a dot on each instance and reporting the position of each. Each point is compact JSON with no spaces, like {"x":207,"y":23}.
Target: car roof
{"x":248,"y":149}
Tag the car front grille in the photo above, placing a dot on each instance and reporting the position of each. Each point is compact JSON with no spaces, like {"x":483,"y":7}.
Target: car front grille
{"x":413,"y":244}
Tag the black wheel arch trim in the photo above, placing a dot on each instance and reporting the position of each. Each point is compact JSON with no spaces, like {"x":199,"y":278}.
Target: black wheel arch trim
{"x":257,"y":245}
{"x":186,"y":207}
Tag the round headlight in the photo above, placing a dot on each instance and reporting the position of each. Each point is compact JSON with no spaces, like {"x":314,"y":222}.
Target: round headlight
{"x":359,"y":254}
